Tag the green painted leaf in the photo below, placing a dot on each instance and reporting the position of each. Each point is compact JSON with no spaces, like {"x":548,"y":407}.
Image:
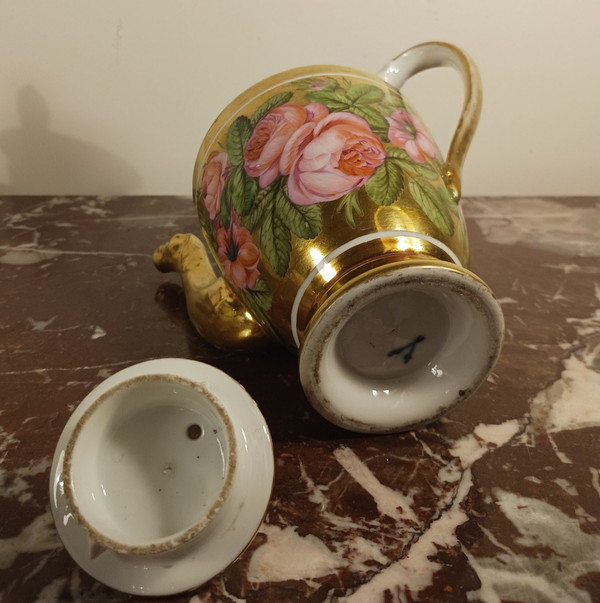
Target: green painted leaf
{"x":270,"y":104}
{"x":387,"y":183}
{"x":303,"y":220}
{"x":410,"y":165}
{"x":235,"y":190}
{"x":237,"y":136}
{"x":276,"y":242}
{"x":435,"y":209}
{"x":398,"y":153}
{"x":225,"y":212}
{"x":421,"y":169}
{"x":364,"y":94}
{"x":250,"y":190}
{"x":394,"y":102}
{"x":350,"y":204}
{"x":449,"y":198}
{"x":262,"y":205}
{"x":375,"y":119}
{"x":242,"y":190}
{"x":330,"y":98}
{"x":259,"y":297}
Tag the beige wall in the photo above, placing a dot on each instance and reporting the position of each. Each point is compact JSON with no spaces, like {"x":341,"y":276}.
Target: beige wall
{"x":114,"y":97}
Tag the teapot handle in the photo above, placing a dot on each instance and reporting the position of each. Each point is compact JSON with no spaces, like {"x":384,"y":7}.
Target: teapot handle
{"x":440,"y":54}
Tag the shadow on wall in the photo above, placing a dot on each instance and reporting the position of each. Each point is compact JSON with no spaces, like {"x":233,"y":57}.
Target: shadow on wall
{"x":42,"y":162}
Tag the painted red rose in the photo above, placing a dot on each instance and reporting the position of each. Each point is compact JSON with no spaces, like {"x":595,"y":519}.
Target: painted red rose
{"x":329,"y":158}
{"x":270,"y":135}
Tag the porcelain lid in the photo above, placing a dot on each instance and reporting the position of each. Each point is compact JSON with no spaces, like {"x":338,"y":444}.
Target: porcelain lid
{"x":227,"y":534}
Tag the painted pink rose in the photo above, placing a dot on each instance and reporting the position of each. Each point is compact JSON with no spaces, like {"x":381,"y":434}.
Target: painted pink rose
{"x":270,"y":135}
{"x":238,"y":255}
{"x":408,"y":132}
{"x":214,"y":177}
{"x":329,"y":158}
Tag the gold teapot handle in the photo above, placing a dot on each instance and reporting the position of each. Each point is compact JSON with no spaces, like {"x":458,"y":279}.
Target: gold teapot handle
{"x":440,"y":54}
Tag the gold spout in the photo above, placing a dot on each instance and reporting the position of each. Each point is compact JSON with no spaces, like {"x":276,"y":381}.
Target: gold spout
{"x":217,"y":313}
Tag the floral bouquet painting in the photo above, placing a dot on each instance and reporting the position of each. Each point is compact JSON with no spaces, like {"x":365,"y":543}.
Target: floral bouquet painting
{"x":349,"y":144}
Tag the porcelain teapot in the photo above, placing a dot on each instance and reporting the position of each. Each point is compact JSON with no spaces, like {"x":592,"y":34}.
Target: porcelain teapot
{"x":331,"y":223}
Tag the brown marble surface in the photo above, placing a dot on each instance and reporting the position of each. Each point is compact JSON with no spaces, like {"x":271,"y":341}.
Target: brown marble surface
{"x":498,"y":501}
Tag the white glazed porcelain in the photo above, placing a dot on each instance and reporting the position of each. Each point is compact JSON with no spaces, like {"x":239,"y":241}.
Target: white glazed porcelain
{"x":161,"y":477}
{"x":412,"y":342}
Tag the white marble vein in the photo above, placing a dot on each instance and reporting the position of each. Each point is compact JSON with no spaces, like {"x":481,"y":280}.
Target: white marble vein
{"x":415,"y":571}
{"x":318,"y":494}
{"x":6,"y":440}
{"x":22,"y":256}
{"x":98,"y":332}
{"x":573,"y":400}
{"x":52,"y":591}
{"x":290,"y":556}
{"x":37,"y":537}
{"x":20,"y":488}
{"x":101,"y":368}
{"x":389,"y":502}
{"x":533,"y":577}
{"x":40,"y":325}
{"x":287,"y":555}
{"x":538,"y":223}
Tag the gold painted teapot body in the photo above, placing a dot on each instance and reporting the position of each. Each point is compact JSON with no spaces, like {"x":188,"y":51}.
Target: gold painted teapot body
{"x":312,"y":183}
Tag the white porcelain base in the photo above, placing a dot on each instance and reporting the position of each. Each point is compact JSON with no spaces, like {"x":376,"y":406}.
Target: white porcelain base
{"x":227,"y":533}
{"x":399,"y":348}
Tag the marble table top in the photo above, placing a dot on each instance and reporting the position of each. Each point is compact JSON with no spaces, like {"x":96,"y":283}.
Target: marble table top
{"x":497,"y":501}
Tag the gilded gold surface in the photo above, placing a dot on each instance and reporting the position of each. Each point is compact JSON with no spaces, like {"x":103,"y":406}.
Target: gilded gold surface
{"x":252,"y":98}
{"x":216,"y":312}
{"x":360,"y":258}
{"x":468,"y":121}
{"x":220,"y":314}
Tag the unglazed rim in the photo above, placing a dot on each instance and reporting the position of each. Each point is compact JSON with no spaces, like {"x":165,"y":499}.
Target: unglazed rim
{"x":177,"y":539}
{"x":329,"y":320}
